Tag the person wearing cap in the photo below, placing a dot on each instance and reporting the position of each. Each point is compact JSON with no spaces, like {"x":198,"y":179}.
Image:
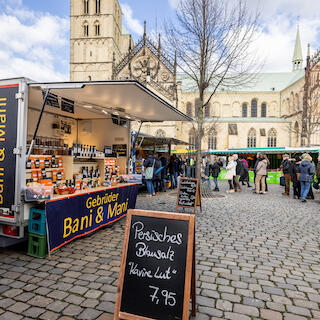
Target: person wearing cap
{"x":306,"y":175}
{"x":285,"y":167}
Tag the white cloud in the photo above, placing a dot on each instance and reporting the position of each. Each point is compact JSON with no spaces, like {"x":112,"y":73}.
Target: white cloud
{"x":278,"y":27}
{"x":133,"y":24}
{"x":33,"y":44}
{"x":173,"y":3}
{"x":276,"y":42}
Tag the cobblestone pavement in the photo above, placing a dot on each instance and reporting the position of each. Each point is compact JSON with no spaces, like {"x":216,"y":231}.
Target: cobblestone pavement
{"x":257,"y":258}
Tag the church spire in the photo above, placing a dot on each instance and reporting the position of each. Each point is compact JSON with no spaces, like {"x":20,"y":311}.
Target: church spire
{"x":297,"y":55}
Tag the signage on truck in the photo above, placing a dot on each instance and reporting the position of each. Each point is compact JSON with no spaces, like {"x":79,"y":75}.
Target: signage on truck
{"x":75,"y":216}
{"x":8,"y":142}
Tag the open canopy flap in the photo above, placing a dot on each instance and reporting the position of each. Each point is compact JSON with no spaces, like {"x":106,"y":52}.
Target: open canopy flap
{"x":128,"y":99}
{"x":149,"y":140}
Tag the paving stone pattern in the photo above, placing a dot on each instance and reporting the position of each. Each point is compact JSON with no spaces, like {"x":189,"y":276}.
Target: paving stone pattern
{"x":257,"y":258}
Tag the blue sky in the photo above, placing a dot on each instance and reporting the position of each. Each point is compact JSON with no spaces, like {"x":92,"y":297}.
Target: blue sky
{"x":34,"y":34}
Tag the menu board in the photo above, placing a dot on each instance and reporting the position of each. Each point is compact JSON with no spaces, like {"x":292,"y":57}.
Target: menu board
{"x":120,"y":149}
{"x":155,"y":274}
{"x":188,"y":193}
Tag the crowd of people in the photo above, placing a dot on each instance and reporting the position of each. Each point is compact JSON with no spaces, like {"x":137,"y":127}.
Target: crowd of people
{"x":160,"y":168}
{"x":298,"y":170}
{"x":157,"y":168}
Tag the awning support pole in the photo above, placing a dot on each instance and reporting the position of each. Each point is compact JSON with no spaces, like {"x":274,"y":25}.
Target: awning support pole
{"x":38,"y":123}
{"x":135,"y":137}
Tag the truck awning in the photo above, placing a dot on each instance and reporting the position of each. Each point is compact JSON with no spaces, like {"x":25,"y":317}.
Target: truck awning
{"x":129,"y":99}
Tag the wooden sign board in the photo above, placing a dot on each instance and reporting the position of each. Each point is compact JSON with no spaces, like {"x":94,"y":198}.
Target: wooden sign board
{"x":189,"y":195}
{"x":155,"y":272}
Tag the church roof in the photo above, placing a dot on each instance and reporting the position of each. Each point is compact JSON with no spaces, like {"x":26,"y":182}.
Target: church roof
{"x":261,"y":82}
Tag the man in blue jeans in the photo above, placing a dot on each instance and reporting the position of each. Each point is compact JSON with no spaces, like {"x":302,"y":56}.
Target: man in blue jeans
{"x":306,"y":175}
{"x":150,"y":163}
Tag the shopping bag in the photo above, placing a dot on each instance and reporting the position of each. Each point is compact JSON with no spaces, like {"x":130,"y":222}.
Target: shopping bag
{"x":282,"y":181}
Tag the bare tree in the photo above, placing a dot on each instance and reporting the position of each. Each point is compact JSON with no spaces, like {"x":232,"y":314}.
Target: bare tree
{"x":306,"y":119}
{"x":212,"y":42}
{"x":307,"y":114}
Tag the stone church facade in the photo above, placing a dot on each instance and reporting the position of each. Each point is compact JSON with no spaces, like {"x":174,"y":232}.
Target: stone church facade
{"x":261,"y":115}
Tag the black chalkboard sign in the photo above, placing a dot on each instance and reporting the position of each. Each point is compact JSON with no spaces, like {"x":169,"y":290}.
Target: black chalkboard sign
{"x":188,"y":194}
{"x":155,"y":274}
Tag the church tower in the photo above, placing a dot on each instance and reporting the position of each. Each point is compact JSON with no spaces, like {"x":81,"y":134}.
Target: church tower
{"x":96,"y":39}
{"x":297,"y":59}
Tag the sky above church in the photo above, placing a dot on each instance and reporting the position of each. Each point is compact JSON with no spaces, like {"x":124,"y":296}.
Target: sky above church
{"x":34,"y":34}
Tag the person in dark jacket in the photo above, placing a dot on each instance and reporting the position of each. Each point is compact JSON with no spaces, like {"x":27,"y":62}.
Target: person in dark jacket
{"x":245,"y":177}
{"x":318,"y":170}
{"x":215,"y":170}
{"x":285,"y":167}
{"x":163,"y":161}
{"x":174,"y":168}
{"x":150,"y":162}
{"x":294,"y":174}
{"x":157,"y":175}
{"x":306,"y":175}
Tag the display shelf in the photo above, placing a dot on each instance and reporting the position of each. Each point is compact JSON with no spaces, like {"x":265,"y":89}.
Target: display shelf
{"x":88,"y":158}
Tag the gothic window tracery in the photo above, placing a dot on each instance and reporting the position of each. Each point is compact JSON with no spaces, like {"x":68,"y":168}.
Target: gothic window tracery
{"x":85,"y":29}
{"x":272,"y":138}
{"x":212,"y":140}
{"x":97,"y":28}
{"x":252,"y":138}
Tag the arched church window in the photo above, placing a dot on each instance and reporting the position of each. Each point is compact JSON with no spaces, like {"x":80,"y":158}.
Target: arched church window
{"x":272,"y":138}
{"x":98,"y":6}
{"x":160,"y":133}
{"x":244,"y":110}
{"x":252,"y":138}
{"x":207,"y":110}
{"x":97,"y":28}
{"x":189,"y":109}
{"x":192,"y":138}
{"x":86,"y":6}
{"x":85,"y":29}
{"x":254,"y":108}
{"x":212,"y":139}
{"x":263,"y":110}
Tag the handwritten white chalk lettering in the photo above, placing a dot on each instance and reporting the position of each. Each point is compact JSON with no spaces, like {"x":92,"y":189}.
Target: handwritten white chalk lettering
{"x":169,"y":297}
{"x":141,"y":273}
{"x":155,"y":236}
{"x":143,"y":251}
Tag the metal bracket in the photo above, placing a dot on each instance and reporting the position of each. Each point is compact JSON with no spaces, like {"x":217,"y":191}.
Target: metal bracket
{"x":15,"y":208}
{"x":20,"y":95}
{"x":17,"y":151}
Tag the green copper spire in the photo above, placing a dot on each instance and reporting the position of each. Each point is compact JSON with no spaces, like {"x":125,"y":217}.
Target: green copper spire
{"x":297,"y":55}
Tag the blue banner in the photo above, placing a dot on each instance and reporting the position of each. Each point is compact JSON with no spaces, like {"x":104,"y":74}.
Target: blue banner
{"x":75,"y":216}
